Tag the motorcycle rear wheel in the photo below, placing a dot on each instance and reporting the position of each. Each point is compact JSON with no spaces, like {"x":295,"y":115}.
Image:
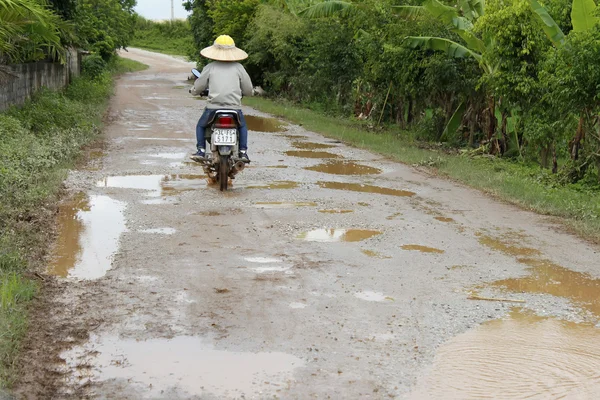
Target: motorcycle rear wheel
{"x":223,"y":172}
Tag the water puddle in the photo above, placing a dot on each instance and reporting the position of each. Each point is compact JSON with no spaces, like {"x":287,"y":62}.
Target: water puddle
{"x":338,"y":235}
{"x":184,"y":366}
{"x":284,"y":204}
{"x":311,"y":154}
{"x":297,"y":306}
{"x":357,"y":187}
{"x":522,"y":356}
{"x":372,"y":296}
{"x":549,"y":278}
{"x":505,"y":246}
{"x":275,"y":166}
{"x":262,"y":124}
{"x":156,"y":185}
{"x":276,"y":185}
{"x":89,"y":232}
{"x":336,"y":211}
{"x":444,"y":219}
{"x":312,"y":146}
{"x":160,"y":231}
{"x":374,"y":254}
{"x":422,"y":249}
{"x":344,"y":168}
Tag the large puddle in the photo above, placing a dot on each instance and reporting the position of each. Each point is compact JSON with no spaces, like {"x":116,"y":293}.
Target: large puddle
{"x":344,"y":168}
{"x":156,"y":185}
{"x":520,"y":357}
{"x":312,"y":146}
{"x":358,"y":187}
{"x":311,"y":154}
{"x":262,"y":124}
{"x":89,"y":232}
{"x":182,"y":367}
{"x":545,"y":276}
{"x":338,"y":235}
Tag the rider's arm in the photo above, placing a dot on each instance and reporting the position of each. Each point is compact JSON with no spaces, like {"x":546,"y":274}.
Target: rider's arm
{"x":245,"y":82}
{"x":201,"y":83}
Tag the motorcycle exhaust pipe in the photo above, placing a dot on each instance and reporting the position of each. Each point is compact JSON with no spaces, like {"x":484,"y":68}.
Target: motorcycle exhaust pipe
{"x":238,"y":167}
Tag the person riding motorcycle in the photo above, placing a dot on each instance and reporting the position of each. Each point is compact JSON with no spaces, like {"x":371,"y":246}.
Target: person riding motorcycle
{"x":227,"y":81}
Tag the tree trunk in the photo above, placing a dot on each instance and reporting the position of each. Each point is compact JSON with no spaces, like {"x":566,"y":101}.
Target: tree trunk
{"x":576,"y":142}
{"x":505,"y":139}
{"x":554,"y":159}
{"x":545,"y":156}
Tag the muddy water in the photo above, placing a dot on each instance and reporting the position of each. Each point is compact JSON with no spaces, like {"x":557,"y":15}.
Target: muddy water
{"x":374,"y":254}
{"x":549,"y":278}
{"x":312,"y":146}
{"x":357,"y":187}
{"x":520,"y":357}
{"x":344,"y":168}
{"x":184,"y":365}
{"x":422,"y":249}
{"x":311,"y":154}
{"x":284,"y":204}
{"x":507,"y":246}
{"x":338,"y":235}
{"x":261,"y":124}
{"x":89,"y":232}
{"x":276,"y":185}
{"x":336,"y":211}
{"x":444,"y":219}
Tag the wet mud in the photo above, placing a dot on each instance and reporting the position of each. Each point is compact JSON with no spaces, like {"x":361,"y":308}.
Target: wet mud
{"x":262,"y":124}
{"x":358,"y":187}
{"x":374,"y":254}
{"x":523,"y":356}
{"x":276,"y":185}
{"x":312,"y":146}
{"x":344,"y":168}
{"x":422,"y":249}
{"x":311,"y":154}
{"x":285,"y":204}
{"x":336,"y":211}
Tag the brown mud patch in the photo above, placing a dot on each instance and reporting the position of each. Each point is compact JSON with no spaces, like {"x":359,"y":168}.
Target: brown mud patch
{"x":358,"y":187}
{"x":344,"y":168}
{"x":276,"y":185}
{"x":422,"y":249}
{"x":312,"y":146}
{"x":444,"y":219}
{"x":374,"y":254}
{"x":336,"y":211}
{"x":284,"y":204}
{"x":311,"y":154}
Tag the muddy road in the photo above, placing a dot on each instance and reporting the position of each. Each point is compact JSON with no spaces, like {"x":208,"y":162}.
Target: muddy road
{"x":326,"y":272}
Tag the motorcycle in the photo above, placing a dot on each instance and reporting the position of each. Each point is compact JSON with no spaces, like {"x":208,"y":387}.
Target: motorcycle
{"x":223,"y":135}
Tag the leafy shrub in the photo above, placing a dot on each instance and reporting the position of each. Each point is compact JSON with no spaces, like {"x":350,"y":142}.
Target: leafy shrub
{"x":93,"y":65}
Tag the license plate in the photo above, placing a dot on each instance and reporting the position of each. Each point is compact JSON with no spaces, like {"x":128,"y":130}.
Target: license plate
{"x":224,"y":137}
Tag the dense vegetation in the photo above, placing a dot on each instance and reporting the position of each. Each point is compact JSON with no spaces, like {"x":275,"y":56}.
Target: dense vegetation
{"x":39,"y":140}
{"x":512,"y":78}
{"x":169,"y":37}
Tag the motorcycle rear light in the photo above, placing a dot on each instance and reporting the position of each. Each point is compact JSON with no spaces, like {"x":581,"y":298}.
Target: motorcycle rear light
{"x":225,"y":122}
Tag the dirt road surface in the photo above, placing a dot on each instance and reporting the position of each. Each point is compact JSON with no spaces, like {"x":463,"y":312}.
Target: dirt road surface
{"x":325,"y":272}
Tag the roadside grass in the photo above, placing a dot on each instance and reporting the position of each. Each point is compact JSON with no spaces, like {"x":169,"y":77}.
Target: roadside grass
{"x":39,"y":142}
{"x":523,"y":185}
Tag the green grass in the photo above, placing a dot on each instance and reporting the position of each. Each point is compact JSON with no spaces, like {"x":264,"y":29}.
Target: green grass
{"x":39,"y":142}
{"x":173,"y":38}
{"x":526,"y":186}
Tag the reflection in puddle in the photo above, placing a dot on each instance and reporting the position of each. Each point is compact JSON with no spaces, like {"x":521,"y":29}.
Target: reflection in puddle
{"x":549,"y":278}
{"x":311,"y":154}
{"x":422,"y":249}
{"x":338,"y":235}
{"x":374,"y":254}
{"x":357,"y":187}
{"x":523,"y":356}
{"x":344,"y":168}
{"x":336,"y":211}
{"x":89,"y":232}
{"x":158,"y":185}
{"x":160,"y":231}
{"x":311,"y":145}
{"x":262,"y":124}
{"x":372,"y":296}
{"x":276,"y":185}
{"x":444,"y":219}
{"x":284,"y":204}
{"x":163,"y":368}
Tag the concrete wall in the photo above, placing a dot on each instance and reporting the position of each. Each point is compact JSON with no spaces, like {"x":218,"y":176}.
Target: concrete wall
{"x":31,"y":77}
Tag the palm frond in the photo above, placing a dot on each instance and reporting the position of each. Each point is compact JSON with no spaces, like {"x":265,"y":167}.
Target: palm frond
{"x":448,"y":46}
{"x":408,"y":11}
{"x":326,"y":8}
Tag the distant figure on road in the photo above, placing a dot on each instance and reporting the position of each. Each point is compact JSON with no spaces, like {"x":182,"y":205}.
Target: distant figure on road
{"x":227,"y":81}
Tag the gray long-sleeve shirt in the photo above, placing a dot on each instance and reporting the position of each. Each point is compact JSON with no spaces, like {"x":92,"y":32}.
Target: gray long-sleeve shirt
{"x":226,"y":83}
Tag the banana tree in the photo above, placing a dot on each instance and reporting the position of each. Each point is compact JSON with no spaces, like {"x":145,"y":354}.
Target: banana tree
{"x":583,"y":19}
{"x":461,"y":20}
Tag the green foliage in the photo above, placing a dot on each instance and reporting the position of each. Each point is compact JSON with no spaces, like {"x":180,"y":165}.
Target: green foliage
{"x":170,"y":37}
{"x":93,"y":65}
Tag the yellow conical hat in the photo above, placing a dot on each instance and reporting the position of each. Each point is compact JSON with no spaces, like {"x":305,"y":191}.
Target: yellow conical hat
{"x":223,"y":49}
